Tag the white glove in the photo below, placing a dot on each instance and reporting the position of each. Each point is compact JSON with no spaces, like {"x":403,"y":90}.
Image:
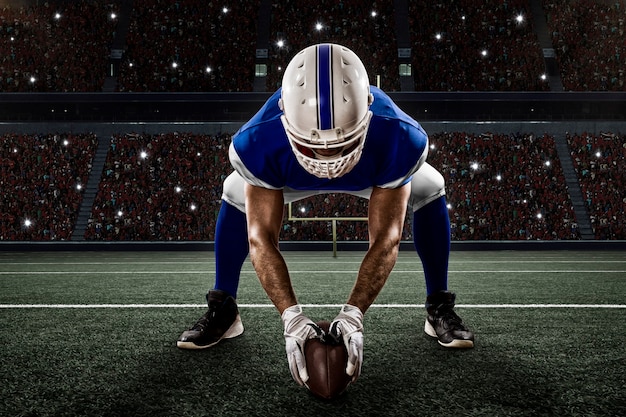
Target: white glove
{"x":349,"y":326}
{"x":298,"y":328}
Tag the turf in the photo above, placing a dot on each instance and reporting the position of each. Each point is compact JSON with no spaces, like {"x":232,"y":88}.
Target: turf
{"x":547,"y":359}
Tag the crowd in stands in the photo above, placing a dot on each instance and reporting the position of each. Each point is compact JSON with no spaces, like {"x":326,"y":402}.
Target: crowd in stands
{"x":588,"y":36}
{"x":160,"y":187}
{"x":60,"y":47}
{"x":366,"y":28}
{"x":472,"y":45}
{"x":167,"y":187}
{"x":42,"y":179}
{"x":504,"y":187}
{"x":198,"y":45}
{"x":600,"y":163}
{"x":190,"y":45}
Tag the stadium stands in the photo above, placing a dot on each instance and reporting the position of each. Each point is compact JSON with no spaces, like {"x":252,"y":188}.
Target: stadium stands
{"x":41,"y":181}
{"x":190,"y":45}
{"x":194,"y":45}
{"x":588,"y":37}
{"x":474,"y":45}
{"x":515,"y":191}
{"x":167,"y":187}
{"x":600,"y":162}
{"x":55,"y":47}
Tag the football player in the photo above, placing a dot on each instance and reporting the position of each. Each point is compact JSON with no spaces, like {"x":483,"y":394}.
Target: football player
{"x":328,"y":131}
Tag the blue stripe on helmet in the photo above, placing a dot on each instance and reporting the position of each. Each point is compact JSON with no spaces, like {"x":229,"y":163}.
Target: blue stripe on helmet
{"x":324,"y":87}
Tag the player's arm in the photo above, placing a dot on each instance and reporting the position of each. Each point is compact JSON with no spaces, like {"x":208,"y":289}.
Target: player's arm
{"x":387,"y":209}
{"x":264,"y":211}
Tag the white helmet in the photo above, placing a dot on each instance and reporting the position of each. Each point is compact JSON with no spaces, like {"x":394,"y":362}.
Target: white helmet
{"x":325,"y":100}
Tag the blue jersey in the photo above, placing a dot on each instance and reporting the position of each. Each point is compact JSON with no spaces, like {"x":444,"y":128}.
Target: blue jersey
{"x":395,"y":146}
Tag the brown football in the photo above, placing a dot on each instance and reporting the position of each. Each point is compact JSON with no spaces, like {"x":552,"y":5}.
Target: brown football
{"x":326,"y":364}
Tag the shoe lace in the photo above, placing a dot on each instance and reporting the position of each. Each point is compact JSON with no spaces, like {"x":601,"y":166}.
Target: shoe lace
{"x":205,"y":319}
{"x":451,"y":318}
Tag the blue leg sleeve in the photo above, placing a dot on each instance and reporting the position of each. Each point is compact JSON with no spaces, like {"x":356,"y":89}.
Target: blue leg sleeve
{"x":431,"y":236}
{"x":231,"y":248}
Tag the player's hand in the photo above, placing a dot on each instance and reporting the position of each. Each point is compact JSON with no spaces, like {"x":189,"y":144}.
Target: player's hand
{"x":349,"y":326}
{"x":298,"y":328}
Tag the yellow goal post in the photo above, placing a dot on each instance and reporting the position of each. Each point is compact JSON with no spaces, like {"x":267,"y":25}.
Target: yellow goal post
{"x":333,"y":220}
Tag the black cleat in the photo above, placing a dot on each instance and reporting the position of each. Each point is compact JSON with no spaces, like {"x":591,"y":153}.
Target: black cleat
{"x":444,"y":324}
{"x":221,"y":321}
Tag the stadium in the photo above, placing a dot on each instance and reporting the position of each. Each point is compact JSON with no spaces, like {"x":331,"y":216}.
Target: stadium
{"x":116,"y":117}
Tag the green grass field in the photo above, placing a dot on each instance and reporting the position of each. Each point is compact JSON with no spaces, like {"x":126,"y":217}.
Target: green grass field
{"x":93,"y":334}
